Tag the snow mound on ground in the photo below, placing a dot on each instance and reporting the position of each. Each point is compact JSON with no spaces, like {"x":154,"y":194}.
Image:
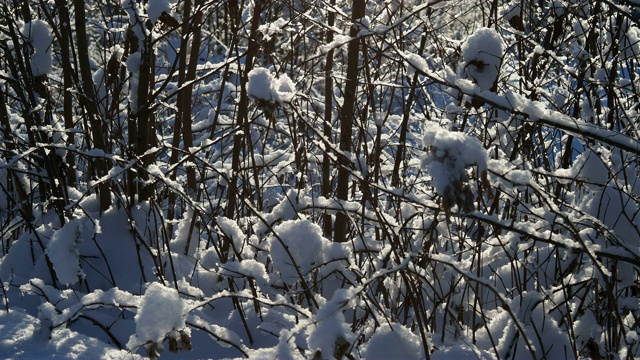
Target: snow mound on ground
{"x":393,"y":342}
{"x":20,"y":338}
{"x":460,"y":352}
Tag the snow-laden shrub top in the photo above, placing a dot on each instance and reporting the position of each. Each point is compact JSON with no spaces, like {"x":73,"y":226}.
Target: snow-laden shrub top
{"x":161,"y":313}
{"x":155,"y":8}
{"x":39,"y":36}
{"x":449,"y":155}
{"x":263,"y":85}
{"x":393,"y":342}
{"x":482,"y":53}
{"x":298,"y":242}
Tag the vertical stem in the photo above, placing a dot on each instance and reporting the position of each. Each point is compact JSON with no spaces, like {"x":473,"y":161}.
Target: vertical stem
{"x":12,"y":179}
{"x":395,"y":176}
{"x":346,"y":117}
{"x":328,"y":120}
{"x":143,"y":116}
{"x":68,"y":82}
{"x":89,"y":100}
{"x":191,"y":74}
{"x":241,"y":118}
{"x":177,"y":127}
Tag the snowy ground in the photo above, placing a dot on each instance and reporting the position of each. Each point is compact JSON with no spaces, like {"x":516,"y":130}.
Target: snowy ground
{"x":21,"y":338}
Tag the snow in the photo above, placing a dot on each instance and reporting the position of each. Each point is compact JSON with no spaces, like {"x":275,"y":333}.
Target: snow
{"x":338,"y":41}
{"x":38,"y":34}
{"x":482,"y":53}
{"x":298,"y":242}
{"x":133,"y":66}
{"x":449,"y":154}
{"x":63,"y":251}
{"x":263,"y":85}
{"x":511,"y":10}
{"x":331,"y":332}
{"x":20,"y":338}
{"x":415,"y":61}
{"x":134,"y":12}
{"x":161,"y":313}
{"x":588,"y":167}
{"x":285,"y":89}
{"x":460,"y":352}
{"x":231,"y":229}
{"x":250,"y":268}
{"x":393,"y":341}
{"x":630,"y":41}
{"x":155,"y":8}
{"x":272,"y":28}
{"x":186,"y":235}
{"x":536,"y":254}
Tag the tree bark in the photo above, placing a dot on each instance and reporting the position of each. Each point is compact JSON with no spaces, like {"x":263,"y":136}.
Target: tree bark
{"x":89,"y":102}
{"x":346,"y":118}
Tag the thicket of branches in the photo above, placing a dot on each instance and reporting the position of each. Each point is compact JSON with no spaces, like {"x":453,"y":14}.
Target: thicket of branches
{"x":528,"y":247}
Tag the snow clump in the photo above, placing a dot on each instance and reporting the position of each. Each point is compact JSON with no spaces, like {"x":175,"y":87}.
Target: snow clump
{"x":270,"y":29}
{"x":331,"y":334}
{"x":482,"y":53}
{"x":133,"y":66}
{"x":38,"y":34}
{"x":161,"y":312}
{"x":393,"y":342}
{"x":415,"y":62}
{"x":63,"y":250}
{"x":262,"y":85}
{"x":448,"y":156}
{"x":303,"y":240}
{"x":155,"y":8}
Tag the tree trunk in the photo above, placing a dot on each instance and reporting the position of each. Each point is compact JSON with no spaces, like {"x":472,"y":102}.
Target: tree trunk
{"x":68,"y":82}
{"x":346,"y":117}
{"x":89,"y":102}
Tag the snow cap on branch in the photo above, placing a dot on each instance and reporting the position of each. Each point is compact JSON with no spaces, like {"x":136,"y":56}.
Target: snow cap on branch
{"x":155,"y":8}
{"x":448,"y":156}
{"x":39,"y":35}
{"x":263,"y":85}
{"x":301,"y":240}
{"x":161,"y":312}
{"x":482,"y":53}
